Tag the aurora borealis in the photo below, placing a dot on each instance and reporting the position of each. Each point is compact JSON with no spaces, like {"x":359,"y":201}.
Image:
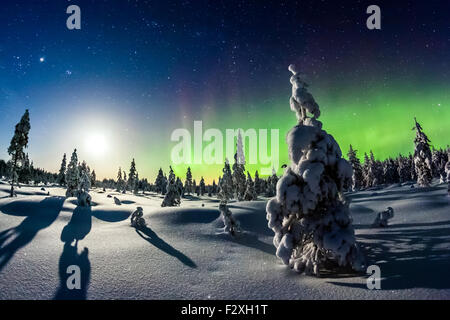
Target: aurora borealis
{"x":137,"y":70}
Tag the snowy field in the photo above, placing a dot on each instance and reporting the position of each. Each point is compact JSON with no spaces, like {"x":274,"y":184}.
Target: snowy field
{"x":184,"y":255}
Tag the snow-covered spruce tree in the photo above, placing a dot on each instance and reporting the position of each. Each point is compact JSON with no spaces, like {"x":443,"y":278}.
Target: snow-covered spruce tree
{"x":202,"y":187}
{"x":159,"y":182}
{"x":25,"y":171}
{"x":132,"y":176}
{"x":16,"y":148}
{"x":357,"y":177}
{"x":404,"y":169}
{"x":84,"y":199}
{"x":422,"y":157}
{"x":180,"y":186}
{"x":390,"y":171}
{"x":309,"y":215}
{"x":271,"y":184}
{"x":173,"y":197}
{"x":239,"y":169}
{"x":258,"y":183}
{"x":72,"y":176}
{"x":125,"y":182}
{"x":120,"y":181}
{"x":93,"y":178}
{"x":231,"y":225}
{"x":439,"y":159}
{"x":136,"y":184}
{"x":62,"y":172}
{"x":194,"y":187}
{"x":377,"y":170}
{"x":188,"y":182}
{"x":413,"y":167}
{"x":250,"y":193}
{"x":369,"y":170}
{"x":214,"y":187}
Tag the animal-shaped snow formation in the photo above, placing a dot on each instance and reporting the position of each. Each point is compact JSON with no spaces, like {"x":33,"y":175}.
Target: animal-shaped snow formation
{"x":302,"y":102}
{"x":231,"y":225}
{"x":137,"y":219}
{"x":309,"y":215}
{"x":381,"y":221}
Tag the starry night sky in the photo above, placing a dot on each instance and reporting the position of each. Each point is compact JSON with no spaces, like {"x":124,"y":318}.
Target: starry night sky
{"x":137,"y":70}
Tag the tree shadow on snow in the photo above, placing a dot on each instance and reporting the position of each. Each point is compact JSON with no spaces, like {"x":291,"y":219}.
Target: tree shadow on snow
{"x":410,"y":256}
{"x":77,"y":229}
{"x":111,"y":215}
{"x":150,"y":236}
{"x":40,"y":215}
{"x":79,"y":225}
{"x":71,"y":257}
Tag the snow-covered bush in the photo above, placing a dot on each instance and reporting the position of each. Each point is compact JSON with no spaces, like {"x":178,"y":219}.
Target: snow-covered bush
{"x":309,"y":215}
{"x":422,"y":157}
{"x":381,"y":221}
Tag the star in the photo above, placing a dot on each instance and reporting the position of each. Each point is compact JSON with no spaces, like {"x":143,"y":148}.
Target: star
{"x":41,"y":59}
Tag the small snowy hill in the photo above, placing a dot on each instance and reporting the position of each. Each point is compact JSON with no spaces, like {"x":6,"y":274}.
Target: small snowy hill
{"x":183,"y":254}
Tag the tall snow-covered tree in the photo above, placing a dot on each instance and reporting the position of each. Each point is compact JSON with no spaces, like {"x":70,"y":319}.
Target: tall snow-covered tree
{"x":93,"y":178}
{"x":258,"y":183}
{"x":188,"y":182}
{"x":226,"y":184}
{"x":62,"y":172}
{"x":136,"y":184}
{"x":25,"y":172}
{"x":202,"y":187}
{"x":72,"y":175}
{"x":231,"y":225}
{"x":390,"y":171}
{"x":132,"y":176}
{"x":250,"y":193}
{"x":239,"y":170}
{"x":357,"y":177}
{"x":214,"y":187}
{"x":172,"y":197}
{"x":271,"y":184}
{"x":16,"y":148}
{"x":160,"y":183}
{"x":422,"y":157}
{"x":439,"y":159}
{"x":125,"y":182}
{"x":309,"y":215}
{"x":120,"y":182}
{"x":84,"y":199}
{"x":194,"y":186}
{"x":180,"y":186}
{"x":404,"y":168}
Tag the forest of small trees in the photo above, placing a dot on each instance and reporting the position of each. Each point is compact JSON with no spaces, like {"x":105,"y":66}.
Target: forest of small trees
{"x":422,"y":166}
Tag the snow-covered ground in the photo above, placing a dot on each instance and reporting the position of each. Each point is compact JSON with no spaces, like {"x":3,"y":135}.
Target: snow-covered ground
{"x":184,"y":255}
